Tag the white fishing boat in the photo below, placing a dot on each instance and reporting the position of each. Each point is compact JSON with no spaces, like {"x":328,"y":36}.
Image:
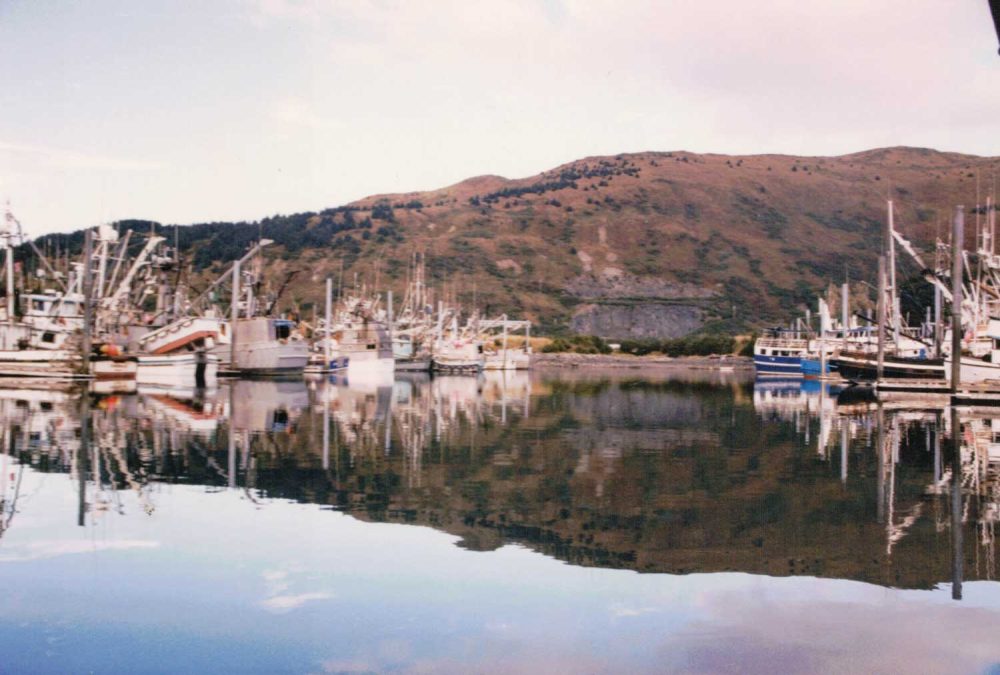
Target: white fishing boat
{"x":363,"y":338}
{"x":181,"y":369}
{"x":325,"y":356}
{"x":263,"y":346}
{"x":407,"y":357}
{"x":177,"y":355}
{"x":499,"y":353}
{"x":459,"y":356}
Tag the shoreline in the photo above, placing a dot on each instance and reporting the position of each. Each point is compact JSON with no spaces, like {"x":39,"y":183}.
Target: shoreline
{"x":573,"y":360}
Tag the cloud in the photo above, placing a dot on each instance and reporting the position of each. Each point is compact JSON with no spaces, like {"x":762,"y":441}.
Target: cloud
{"x":621,"y":611}
{"x":58,"y":158}
{"x":297,"y":112}
{"x":278,"y":601}
{"x":40,"y":550}
{"x":286,"y":603}
{"x":781,"y":76}
{"x":746,"y":635}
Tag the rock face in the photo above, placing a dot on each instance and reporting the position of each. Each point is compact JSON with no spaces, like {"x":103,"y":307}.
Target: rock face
{"x":624,"y":305}
{"x":637,"y":320}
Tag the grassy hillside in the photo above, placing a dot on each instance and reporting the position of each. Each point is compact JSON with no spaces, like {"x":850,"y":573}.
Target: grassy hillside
{"x":648,"y":244}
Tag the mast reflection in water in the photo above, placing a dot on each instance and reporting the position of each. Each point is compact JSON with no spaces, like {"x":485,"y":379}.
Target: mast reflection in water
{"x":497,"y":523}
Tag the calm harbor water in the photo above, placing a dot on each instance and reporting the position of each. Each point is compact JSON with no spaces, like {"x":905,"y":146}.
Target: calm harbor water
{"x":557,"y":522}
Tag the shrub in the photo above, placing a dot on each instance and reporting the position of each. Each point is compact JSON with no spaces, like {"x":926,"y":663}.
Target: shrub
{"x":578,"y":344}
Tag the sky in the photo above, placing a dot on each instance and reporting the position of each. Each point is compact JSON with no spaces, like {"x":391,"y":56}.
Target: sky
{"x":188,"y":111}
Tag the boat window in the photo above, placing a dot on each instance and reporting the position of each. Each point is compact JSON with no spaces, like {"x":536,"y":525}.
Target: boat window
{"x":48,"y":336}
{"x":280,"y":420}
{"x":371,"y":345}
{"x":282,"y":331}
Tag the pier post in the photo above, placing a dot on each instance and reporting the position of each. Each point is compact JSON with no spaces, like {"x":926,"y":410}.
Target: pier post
{"x":881,"y":317}
{"x":231,"y":457}
{"x":880,"y":510}
{"x":843,"y":451}
{"x":234,"y":313}
{"x":957,"y":552}
{"x":956,"y":290}
{"x":82,"y":456}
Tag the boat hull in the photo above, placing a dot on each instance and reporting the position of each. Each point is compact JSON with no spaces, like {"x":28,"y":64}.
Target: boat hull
{"x":975,"y":370}
{"x":266,"y":358}
{"x":446,"y":365}
{"x":778,"y":365}
{"x":42,"y":363}
{"x":371,"y":369}
{"x":189,"y":369}
{"x":514,"y":359}
{"x":814,"y":368}
{"x":114,"y":368}
{"x":413,"y":365}
{"x":865,"y":368}
{"x":336,"y":364}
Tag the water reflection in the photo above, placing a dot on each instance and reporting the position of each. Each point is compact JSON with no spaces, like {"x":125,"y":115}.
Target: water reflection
{"x":657,"y":476}
{"x":685,"y":476}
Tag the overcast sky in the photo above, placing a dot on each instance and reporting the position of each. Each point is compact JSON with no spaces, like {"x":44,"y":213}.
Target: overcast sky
{"x":187,"y":111}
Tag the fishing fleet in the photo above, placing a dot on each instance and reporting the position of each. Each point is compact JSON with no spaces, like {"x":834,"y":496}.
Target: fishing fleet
{"x":887,"y":351}
{"x":123,"y":314}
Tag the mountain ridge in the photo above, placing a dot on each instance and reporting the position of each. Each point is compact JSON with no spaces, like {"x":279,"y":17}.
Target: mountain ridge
{"x":628,"y":245}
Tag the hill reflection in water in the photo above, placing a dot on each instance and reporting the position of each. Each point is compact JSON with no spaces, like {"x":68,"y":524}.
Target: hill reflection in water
{"x":690,"y":475}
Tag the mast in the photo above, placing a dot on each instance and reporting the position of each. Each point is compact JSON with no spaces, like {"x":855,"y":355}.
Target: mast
{"x":844,"y":309}
{"x":956,"y":307}
{"x":9,"y":265}
{"x":225,"y":276}
{"x":991,"y":218}
{"x":505,"y":342}
{"x":327,"y":320}
{"x":88,"y":305}
{"x":937,"y":321}
{"x":893,"y":291}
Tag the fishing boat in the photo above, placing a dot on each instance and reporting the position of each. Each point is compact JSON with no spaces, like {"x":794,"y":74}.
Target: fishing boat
{"x":459,"y":355}
{"x":261,"y":346}
{"x":406,"y":355}
{"x":177,"y":354}
{"x":780,"y":352}
{"x":363,"y":338}
{"x":251,"y":341}
{"x":498,"y":352}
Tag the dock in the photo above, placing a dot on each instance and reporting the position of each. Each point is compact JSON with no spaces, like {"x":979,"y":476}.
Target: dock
{"x":985,"y":393}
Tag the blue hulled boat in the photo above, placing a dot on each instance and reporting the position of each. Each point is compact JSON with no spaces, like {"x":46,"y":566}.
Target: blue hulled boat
{"x":780,"y":352}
